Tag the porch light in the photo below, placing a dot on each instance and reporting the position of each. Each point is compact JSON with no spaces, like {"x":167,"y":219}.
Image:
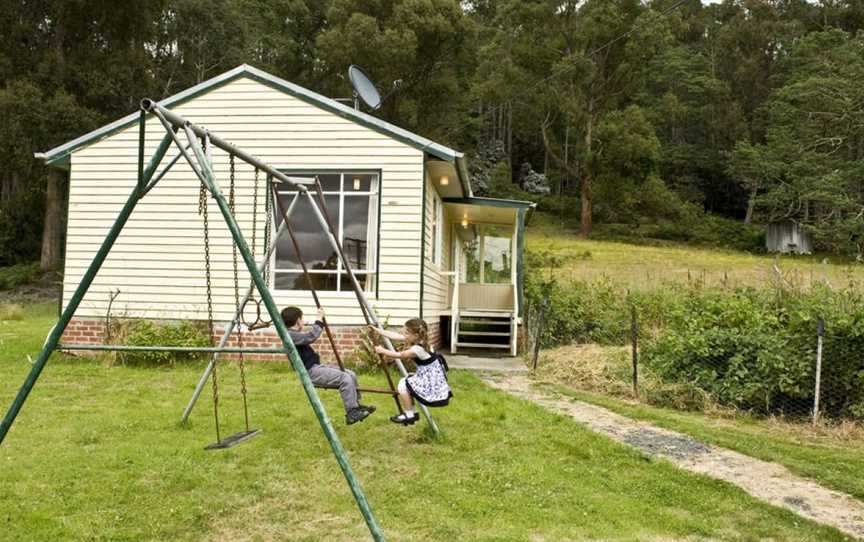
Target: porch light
{"x":465,"y":221}
{"x":356,"y":183}
{"x":445,"y":180}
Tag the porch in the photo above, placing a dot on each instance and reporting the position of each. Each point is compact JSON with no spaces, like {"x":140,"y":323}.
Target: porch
{"x":485,"y":284}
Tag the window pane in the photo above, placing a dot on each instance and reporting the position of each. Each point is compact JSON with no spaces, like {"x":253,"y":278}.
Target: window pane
{"x":314,"y":246}
{"x":296,"y":281}
{"x":356,"y":231}
{"x":496,"y":255}
{"x":358,"y":182}
{"x":362,"y":278}
{"x":330,"y":182}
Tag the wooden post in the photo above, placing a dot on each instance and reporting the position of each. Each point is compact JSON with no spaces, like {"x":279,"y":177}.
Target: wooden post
{"x":538,"y":333}
{"x":634,"y":342}
{"x":820,"y":333}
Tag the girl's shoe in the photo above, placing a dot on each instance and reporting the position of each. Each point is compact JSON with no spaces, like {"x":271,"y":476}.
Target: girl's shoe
{"x":405,"y":420}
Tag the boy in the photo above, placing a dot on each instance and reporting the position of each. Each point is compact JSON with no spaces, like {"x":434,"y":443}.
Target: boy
{"x":324,"y":376}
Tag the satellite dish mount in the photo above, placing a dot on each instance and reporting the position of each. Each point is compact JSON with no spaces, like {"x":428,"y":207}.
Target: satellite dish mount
{"x":364,"y":89}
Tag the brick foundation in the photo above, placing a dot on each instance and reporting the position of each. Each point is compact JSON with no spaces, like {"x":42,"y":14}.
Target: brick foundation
{"x":347,"y":338}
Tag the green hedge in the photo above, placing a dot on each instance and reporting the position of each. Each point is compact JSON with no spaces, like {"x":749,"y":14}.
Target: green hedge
{"x":756,"y":349}
{"x":751,"y":349}
{"x":149,"y":333}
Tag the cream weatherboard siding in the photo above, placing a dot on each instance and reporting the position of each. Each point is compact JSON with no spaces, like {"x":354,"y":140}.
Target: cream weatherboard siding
{"x":436,"y":287}
{"x":157,"y":262}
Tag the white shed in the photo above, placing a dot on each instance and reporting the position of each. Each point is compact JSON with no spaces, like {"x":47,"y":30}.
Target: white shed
{"x":421,"y":243}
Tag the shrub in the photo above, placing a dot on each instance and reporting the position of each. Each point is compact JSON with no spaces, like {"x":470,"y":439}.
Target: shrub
{"x":149,"y":333}
{"x":755,"y":349}
{"x":18,"y":275}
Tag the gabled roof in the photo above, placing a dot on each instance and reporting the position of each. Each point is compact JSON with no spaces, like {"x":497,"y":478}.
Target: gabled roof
{"x":59,"y":155}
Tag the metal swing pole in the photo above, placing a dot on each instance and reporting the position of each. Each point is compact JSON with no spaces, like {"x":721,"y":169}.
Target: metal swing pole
{"x":361,"y":297}
{"x":282,"y":330}
{"x":57,"y":331}
{"x":229,"y":329}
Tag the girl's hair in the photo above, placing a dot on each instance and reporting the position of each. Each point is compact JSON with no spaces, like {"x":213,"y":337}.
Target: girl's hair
{"x":290,"y":315}
{"x":418,"y":327}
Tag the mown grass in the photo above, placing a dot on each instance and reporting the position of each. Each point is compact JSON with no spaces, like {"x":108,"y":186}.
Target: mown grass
{"x":647,"y":266}
{"x":97,"y":454}
{"x":833,"y":455}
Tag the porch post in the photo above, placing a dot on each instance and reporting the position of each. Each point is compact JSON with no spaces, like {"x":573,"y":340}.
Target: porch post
{"x":454,"y":303}
{"x":514,"y":327}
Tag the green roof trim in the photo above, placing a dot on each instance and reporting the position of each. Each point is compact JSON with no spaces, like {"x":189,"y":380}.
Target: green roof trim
{"x":60,"y":153}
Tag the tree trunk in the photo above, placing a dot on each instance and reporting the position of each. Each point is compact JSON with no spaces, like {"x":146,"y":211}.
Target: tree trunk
{"x":751,"y":205}
{"x":55,"y":211}
{"x":585,"y":181}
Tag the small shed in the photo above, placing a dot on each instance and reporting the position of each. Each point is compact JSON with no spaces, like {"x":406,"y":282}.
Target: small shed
{"x":788,"y":237}
{"x":403,"y":205}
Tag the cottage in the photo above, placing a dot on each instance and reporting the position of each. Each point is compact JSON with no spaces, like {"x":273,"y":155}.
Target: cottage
{"x":420,"y":242}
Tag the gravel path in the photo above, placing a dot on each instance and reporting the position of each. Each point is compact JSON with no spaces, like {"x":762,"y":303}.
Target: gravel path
{"x":767,"y":481}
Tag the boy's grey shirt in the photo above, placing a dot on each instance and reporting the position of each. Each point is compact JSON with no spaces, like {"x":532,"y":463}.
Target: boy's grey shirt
{"x":301,"y":338}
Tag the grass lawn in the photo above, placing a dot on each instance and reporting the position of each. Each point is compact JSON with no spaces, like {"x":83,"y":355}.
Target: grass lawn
{"x":643,"y":267}
{"x":97,"y":454}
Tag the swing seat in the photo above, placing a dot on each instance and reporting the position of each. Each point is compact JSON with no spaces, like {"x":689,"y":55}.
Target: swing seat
{"x":233,"y":440}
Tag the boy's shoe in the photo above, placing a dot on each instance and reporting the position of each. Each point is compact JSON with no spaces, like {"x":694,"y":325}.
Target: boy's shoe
{"x":356,"y":415}
{"x":405,"y":420}
{"x":369,"y":408}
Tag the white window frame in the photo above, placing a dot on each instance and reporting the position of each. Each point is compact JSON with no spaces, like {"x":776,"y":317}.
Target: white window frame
{"x":437,"y":229}
{"x":373,"y":231}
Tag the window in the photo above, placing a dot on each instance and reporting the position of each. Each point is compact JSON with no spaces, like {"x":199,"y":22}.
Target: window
{"x":437,"y":227}
{"x":488,"y":254}
{"x":352,"y":202}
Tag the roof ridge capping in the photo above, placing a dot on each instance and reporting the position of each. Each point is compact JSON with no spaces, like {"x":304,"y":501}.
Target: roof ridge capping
{"x":61,"y":152}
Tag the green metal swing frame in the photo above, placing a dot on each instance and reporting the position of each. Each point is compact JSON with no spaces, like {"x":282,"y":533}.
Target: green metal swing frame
{"x":145,"y":183}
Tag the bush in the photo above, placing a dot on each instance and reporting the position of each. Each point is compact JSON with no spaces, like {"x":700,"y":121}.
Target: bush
{"x":21,"y":228}
{"x":18,"y":275}
{"x":149,"y":333}
{"x":755,"y":349}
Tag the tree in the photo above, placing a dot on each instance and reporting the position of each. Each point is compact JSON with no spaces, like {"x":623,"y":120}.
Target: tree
{"x":815,"y":141}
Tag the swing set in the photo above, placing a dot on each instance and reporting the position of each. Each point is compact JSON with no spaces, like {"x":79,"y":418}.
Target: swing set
{"x":202,"y":142}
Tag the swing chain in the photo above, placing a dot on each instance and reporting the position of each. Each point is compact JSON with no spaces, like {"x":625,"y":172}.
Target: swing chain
{"x":254,"y":213}
{"x":240,"y":357}
{"x":202,"y":210}
{"x":268,"y":224}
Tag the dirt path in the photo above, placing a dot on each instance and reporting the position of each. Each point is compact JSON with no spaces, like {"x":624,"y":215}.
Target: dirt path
{"x":769,"y":482}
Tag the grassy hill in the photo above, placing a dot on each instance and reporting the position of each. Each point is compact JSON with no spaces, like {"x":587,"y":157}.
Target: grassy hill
{"x":644,"y":266}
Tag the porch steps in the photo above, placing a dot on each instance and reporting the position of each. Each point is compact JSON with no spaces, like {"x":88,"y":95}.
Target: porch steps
{"x":483,"y":329}
{"x":483,"y":345}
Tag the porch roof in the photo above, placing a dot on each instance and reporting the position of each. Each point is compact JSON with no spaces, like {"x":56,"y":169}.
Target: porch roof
{"x":491,"y":209}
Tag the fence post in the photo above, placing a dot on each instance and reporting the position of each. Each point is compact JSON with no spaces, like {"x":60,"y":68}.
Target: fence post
{"x":538,"y":333}
{"x":820,"y":332}
{"x":634,"y":342}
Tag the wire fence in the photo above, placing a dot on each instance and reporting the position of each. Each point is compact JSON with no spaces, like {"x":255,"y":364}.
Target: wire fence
{"x":817,"y":374}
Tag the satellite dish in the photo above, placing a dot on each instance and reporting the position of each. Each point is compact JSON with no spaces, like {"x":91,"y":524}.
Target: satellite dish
{"x":364,"y":88}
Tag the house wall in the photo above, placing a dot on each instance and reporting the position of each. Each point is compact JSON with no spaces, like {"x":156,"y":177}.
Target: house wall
{"x":157,"y":262}
{"x":436,"y":287}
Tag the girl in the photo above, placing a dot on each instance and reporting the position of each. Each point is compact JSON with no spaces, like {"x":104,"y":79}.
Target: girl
{"x":429,"y":384}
